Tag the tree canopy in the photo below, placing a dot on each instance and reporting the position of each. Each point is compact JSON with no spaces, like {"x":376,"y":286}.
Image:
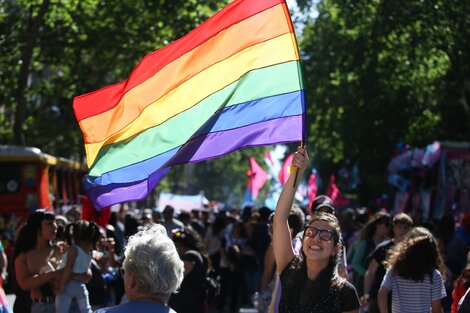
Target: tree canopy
{"x":376,"y":73}
{"x":383,"y":72}
{"x":52,"y":51}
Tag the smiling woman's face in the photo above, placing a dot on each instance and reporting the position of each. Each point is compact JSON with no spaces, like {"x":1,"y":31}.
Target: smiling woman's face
{"x":316,"y":248}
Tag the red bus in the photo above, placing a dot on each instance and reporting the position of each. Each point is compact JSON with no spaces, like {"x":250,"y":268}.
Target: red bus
{"x":31,"y":179}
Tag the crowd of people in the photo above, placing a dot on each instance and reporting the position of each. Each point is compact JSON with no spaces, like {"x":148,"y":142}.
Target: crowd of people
{"x":292,"y":259}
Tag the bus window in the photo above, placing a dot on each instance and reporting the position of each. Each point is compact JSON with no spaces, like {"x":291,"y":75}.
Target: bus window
{"x":10,"y":180}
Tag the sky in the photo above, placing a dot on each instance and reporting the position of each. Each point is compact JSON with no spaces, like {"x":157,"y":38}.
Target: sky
{"x":297,"y":17}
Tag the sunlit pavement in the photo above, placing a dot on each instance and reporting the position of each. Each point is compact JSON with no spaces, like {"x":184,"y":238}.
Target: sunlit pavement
{"x":11,"y":300}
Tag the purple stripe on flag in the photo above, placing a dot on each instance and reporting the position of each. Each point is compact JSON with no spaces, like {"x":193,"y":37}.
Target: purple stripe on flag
{"x":213,"y":145}
{"x":209,"y":146}
{"x":117,"y":193}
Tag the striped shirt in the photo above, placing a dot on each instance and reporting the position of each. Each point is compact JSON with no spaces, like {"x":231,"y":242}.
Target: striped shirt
{"x":411,"y":296}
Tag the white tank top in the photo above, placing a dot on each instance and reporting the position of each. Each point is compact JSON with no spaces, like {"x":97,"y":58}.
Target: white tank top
{"x":82,"y":261}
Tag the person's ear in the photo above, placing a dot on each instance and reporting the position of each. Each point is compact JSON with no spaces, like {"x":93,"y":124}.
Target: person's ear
{"x":336,"y":249}
{"x":132,"y":282}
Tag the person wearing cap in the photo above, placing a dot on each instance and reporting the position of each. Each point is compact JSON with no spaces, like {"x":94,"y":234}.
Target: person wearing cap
{"x":323,"y":203}
{"x":310,"y":281}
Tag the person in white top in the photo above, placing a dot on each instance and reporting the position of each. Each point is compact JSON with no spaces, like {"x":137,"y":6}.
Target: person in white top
{"x":83,"y":237}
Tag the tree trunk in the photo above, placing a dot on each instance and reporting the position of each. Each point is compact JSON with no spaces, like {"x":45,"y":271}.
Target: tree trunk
{"x":26,"y":57}
{"x":463,"y":99}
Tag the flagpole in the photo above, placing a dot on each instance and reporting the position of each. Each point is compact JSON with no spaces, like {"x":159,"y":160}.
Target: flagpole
{"x":297,"y":169}
{"x":302,"y":81}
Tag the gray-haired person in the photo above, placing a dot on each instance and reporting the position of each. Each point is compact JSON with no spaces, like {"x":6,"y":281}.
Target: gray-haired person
{"x":152,"y":271}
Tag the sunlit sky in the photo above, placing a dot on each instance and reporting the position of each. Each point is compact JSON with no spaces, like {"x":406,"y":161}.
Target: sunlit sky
{"x":297,"y":17}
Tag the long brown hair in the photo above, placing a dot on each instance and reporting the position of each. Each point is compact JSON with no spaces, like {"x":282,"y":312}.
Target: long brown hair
{"x":416,"y":256}
{"x":368,"y":230}
{"x":331,"y":271}
{"x":328,"y":280}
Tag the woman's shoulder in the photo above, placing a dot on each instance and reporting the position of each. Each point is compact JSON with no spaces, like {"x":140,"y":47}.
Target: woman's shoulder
{"x":436,"y":275}
{"x":293,"y":267}
{"x":35,"y":258}
{"x":349,"y":298}
{"x":294,"y":263}
{"x":20,"y":257}
{"x":348,"y":288}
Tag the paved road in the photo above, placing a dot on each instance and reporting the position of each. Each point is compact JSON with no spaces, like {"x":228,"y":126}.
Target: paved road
{"x":11,"y":300}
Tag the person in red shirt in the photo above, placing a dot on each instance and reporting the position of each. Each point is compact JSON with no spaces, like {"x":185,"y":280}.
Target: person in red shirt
{"x":461,"y":285}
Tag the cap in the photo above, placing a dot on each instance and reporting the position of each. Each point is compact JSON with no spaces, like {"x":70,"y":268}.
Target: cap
{"x":323,"y":203}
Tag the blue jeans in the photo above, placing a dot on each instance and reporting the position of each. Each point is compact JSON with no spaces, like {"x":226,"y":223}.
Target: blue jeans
{"x":74,"y":290}
{"x":42,"y":308}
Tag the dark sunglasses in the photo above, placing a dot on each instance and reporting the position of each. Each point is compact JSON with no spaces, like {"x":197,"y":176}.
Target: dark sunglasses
{"x":323,"y":234}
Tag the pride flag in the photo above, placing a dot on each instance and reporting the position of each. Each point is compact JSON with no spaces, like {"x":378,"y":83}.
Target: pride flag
{"x":233,"y":82}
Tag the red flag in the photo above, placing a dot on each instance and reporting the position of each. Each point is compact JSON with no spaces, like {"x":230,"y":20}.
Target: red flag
{"x":335,"y":194}
{"x":257,"y":178}
{"x":312,"y":188}
{"x":333,"y":190}
{"x":89,"y":213}
{"x":285,"y":170}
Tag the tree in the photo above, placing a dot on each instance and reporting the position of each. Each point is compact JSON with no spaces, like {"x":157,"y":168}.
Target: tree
{"x":54,"y":50}
{"x":223,"y":179}
{"x":380,"y":72}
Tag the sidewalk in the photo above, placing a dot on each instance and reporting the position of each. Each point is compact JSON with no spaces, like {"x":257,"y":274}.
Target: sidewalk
{"x":11,"y":300}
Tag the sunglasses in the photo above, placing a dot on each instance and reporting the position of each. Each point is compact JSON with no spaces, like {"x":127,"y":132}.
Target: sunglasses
{"x":323,"y":234}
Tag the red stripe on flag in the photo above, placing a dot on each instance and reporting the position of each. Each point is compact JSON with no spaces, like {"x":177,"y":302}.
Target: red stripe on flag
{"x":106,"y":98}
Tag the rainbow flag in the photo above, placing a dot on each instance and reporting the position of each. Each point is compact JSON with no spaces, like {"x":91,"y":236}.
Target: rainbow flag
{"x":233,"y":82}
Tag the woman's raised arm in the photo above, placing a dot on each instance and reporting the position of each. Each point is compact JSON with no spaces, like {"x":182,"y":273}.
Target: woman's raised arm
{"x":282,"y":240}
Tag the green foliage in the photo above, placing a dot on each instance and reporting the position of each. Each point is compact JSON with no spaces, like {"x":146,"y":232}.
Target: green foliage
{"x":82,"y":45}
{"x":378,"y":72}
{"x":223,"y":179}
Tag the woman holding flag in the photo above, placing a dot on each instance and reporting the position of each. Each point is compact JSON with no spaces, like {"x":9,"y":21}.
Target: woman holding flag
{"x":310,"y":282}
